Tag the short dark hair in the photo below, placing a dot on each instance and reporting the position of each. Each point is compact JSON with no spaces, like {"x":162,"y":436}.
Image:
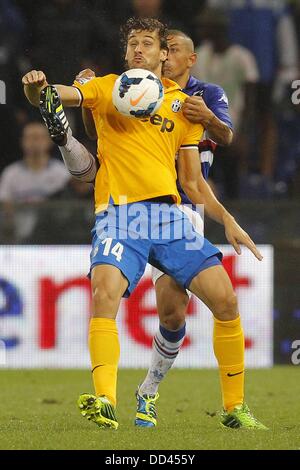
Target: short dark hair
{"x":178,"y":32}
{"x":145,"y":24}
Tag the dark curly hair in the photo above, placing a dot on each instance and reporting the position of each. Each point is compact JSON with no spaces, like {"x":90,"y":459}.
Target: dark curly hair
{"x":144,"y":24}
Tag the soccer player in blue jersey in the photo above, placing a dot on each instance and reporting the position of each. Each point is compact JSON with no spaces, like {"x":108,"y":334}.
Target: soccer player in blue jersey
{"x":207,"y":104}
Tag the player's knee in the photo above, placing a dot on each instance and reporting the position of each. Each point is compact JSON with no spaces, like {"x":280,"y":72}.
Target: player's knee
{"x":105,"y":298}
{"x":226,"y":308}
{"x":173,"y":322}
{"x":173,"y":318}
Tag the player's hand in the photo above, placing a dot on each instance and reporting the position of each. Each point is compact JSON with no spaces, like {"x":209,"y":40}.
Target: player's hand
{"x":35,"y":78}
{"x":236,"y":236}
{"x":86,"y":74}
{"x":196,"y":111}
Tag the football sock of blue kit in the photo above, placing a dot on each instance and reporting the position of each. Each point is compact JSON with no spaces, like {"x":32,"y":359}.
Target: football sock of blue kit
{"x":165,"y":348}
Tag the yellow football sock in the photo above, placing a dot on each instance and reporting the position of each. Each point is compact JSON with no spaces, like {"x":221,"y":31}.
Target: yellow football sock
{"x":229,"y":347}
{"x":105,"y":352}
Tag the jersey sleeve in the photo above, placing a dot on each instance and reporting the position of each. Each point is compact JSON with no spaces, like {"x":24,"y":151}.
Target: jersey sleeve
{"x":193,"y":136}
{"x":217,"y":101}
{"x":91,"y":91}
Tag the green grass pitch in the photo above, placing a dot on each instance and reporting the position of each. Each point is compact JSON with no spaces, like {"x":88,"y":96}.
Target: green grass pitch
{"x":38,"y":411}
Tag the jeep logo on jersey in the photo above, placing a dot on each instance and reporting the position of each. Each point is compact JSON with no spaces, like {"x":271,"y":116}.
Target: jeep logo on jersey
{"x":176,"y":106}
{"x":166,"y":124}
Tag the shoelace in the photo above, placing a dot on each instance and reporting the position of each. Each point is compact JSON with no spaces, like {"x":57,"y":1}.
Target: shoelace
{"x":150,"y":407}
{"x":247,"y":416}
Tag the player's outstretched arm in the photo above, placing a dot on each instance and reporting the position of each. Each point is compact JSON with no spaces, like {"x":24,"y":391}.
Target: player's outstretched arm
{"x":35,"y":80}
{"x":87,"y":115}
{"x":197,"y":189}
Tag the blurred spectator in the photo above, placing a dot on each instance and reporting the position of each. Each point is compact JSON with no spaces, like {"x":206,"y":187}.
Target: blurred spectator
{"x":295,"y":8}
{"x":12,"y":29}
{"x":287,"y":168}
{"x":228,"y":65}
{"x":233,"y":68}
{"x":65,"y":36}
{"x":69,"y":211}
{"x":32,"y":180}
{"x":267,"y":29}
{"x":12,"y":54}
{"x":37,"y":176}
{"x":13,"y":63}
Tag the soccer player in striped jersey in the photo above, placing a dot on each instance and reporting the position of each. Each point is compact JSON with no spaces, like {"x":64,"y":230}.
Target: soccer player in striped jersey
{"x":207,"y":104}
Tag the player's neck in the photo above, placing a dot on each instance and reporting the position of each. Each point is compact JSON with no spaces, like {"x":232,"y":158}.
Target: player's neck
{"x":157,"y":72}
{"x":182,"y":79}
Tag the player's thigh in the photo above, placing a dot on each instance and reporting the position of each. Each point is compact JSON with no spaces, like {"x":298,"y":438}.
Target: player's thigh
{"x":108,"y":287}
{"x":172,"y":302}
{"x":116,"y":243}
{"x":181,"y":251}
{"x":213,"y":286}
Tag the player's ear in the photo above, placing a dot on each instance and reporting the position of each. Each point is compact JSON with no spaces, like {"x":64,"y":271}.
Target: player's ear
{"x":192,"y":59}
{"x":163,"y":55}
{"x":126,"y":53}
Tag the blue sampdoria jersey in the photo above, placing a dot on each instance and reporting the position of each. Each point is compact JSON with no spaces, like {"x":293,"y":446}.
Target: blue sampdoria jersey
{"x":216,"y":100}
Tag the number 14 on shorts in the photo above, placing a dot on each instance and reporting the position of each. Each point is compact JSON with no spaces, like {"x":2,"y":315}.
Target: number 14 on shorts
{"x":109,"y":248}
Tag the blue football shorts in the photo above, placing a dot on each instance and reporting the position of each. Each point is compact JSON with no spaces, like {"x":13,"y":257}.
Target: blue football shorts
{"x":131,"y":235}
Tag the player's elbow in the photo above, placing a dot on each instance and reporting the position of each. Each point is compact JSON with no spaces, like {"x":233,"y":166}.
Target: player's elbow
{"x":226,"y":138}
{"x":182,"y":179}
{"x":190,"y":188}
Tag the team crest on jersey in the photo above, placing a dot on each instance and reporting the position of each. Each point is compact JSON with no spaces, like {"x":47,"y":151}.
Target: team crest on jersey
{"x":176,"y":106}
{"x":82,"y":80}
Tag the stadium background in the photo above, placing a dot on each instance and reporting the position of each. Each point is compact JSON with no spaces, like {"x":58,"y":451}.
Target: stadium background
{"x":44,"y":295}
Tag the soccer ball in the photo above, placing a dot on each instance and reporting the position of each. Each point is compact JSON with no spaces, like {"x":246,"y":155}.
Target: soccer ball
{"x":137,"y":93}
